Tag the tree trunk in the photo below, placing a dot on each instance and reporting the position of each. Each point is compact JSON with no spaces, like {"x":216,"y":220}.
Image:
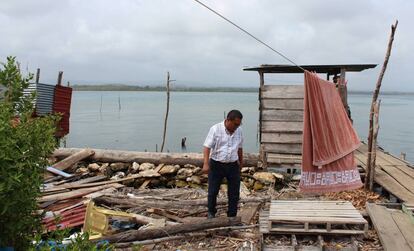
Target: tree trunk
{"x":136,"y":235}
{"x":250,"y":159}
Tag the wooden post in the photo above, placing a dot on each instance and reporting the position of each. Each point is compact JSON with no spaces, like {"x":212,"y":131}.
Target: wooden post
{"x":403,"y":156}
{"x":374,"y":145}
{"x":37,"y":75}
{"x":60,"y":76}
{"x":374,"y":100}
{"x":166,"y":113}
{"x":261,"y":89}
{"x":343,"y":91}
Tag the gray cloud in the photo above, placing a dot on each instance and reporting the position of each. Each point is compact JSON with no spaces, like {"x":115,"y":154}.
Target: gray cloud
{"x":137,"y":41}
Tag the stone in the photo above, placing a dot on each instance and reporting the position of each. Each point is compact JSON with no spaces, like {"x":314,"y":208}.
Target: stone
{"x":279,"y":176}
{"x":93,"y":167}
{"x":180,"y":183}
{"x":82,"y":170}
{"x":118,"y":175}
{"x":247,"y":169}
{"x":265,"y":177}
{"x":105,"y":169}
{"x":183,"y":173}
{"x":146,"y":166}
{"x":296,"y":177}
{"x":258,"y":186}
{"x":190,"y":166}
{"x":134,"y":168}
{"x":118,"y":166}
{"x":168,"y":169}
{"x":149,"y":174}
{"x":195,"y":179}
{"x":197,"y":170}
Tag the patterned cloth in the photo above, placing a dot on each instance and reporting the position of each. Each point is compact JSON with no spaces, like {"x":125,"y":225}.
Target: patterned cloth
{"x":223,"y":145}
{"x":329,"y":139}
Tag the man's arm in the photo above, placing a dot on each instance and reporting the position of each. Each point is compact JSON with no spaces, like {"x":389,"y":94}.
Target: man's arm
{"x":206,"y":166}
{"x":240,"y":153}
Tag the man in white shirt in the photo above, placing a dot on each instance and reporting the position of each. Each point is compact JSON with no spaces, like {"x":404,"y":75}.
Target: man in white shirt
{"x":223,"y":158}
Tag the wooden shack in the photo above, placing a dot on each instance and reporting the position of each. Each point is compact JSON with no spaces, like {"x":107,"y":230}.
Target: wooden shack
{"x":281,"y":110}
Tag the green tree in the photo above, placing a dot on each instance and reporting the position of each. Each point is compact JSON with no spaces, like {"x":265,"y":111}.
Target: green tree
{"x":25,"y":144}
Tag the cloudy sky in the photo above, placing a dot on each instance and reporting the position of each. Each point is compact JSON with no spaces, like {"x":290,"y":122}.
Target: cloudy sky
{"x":138,"y":41}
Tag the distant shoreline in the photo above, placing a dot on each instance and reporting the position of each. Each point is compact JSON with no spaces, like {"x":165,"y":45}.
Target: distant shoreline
{"x":120,"y":87}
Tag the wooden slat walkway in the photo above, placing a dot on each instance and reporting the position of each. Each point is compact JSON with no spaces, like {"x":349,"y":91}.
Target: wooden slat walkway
{"x":393,"y":174}
{"x":394,"y":228}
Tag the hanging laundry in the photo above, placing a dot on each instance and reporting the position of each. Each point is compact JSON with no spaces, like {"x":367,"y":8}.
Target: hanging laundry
{"x":329,"y":139}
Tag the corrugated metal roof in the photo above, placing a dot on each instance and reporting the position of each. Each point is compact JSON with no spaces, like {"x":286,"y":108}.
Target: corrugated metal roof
{"x":61,"y":104}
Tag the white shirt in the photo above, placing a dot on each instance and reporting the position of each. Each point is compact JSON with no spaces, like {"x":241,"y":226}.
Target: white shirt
{"x":223,"y":145}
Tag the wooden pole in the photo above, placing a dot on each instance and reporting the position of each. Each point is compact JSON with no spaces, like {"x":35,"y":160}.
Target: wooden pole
{"x":37,"y":75}
{"x":166,"y":113}
{"x":145,"y":234}
{"x":374,"y":144}
{"x":374,"y":100}
{"x":60,"y":76}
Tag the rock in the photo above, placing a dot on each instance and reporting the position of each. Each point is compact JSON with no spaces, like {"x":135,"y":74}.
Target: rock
{"x":265,"y":177}
{"x":279,"y":176}
{"x":296,"y":177}
{"x":93,"y":167}
{"x":146,"y":166}
{"x":169,"y":169}
{"x":196,"y":179}
{"x":258,"y":186}
{"x":105,"y":169}
{"x":82,"y":170}
{"x":180,"y":183}
{"x":119,"y":166}
{"x":247,"y":169}
{"x":118,"y":175}
{"x":149,"y":174}
{"x":183,"y":173}
{"x":190,"y":166}
{"x":134,"y":168}
{"x":197,"y":170}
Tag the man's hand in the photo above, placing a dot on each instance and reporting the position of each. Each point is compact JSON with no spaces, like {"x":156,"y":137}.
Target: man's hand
{"x":206,"y":168}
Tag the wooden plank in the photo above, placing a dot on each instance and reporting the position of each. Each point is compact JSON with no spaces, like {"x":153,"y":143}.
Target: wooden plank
{"x":282,"y":91}
{"x":388,"y":231}
{"x":405,"y":225}
{"x":282,"y":148}
{"x":282,"y":115}
{"x":316,"y":220}
{"x":402,"y":178}
{"x":392,"y":186}
{"x":76,"y":193}
{"x":283,"y":104}
{"x":284,"y":158}
{"x":147,"y":181}
{"x":248,"y":212}
{"x":282,"y":138}
{"x":282,"y":126}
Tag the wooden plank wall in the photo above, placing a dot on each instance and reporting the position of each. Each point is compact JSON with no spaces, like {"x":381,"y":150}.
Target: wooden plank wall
{"x":282,"y":120}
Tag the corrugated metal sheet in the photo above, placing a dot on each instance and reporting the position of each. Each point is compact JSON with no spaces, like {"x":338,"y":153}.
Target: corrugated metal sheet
{"x":44,"y":97}
{"x":61,"y":104}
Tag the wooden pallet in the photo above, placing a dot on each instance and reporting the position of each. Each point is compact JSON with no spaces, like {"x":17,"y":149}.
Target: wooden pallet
{"x":313,"y":217}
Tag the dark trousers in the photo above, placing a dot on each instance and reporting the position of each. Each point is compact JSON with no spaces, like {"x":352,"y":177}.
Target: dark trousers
{"x":231,"y":171}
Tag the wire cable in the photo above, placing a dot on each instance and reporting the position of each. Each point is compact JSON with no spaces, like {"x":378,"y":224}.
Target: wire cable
{"x":248,"y":33}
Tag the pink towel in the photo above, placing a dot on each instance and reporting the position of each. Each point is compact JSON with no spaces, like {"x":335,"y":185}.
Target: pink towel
{"x":329,"y":139}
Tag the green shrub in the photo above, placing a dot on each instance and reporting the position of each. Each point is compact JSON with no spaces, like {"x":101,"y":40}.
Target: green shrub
{"x":25,"y":144}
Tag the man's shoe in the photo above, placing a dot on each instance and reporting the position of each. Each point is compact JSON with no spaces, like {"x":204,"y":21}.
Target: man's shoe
{"x":211,"y":216}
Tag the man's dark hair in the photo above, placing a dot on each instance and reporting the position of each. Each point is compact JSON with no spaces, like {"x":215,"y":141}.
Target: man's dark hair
{"x":234,"y":114}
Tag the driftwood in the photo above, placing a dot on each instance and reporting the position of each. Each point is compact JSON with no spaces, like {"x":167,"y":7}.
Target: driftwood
{"x":76,"y":193}
{"x":223,"y":230}
{"x":374,"y":100}
{"x":107,"y":200}
{"x":136,"y":235}
{"x":70,"y":160}
{"x":249,"y":159}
